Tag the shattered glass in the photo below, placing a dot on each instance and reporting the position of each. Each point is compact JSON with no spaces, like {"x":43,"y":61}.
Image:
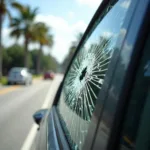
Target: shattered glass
{"x":85,"y":79}
{"x":82,"y":85}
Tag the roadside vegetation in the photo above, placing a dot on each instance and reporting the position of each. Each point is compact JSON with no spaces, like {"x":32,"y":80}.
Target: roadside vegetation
{"x":14,"y":56}
{"x":3,"y":80}
{"x":23,"y":25}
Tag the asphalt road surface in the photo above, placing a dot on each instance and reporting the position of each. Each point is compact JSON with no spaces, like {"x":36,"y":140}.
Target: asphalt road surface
{"x":17,"y":105}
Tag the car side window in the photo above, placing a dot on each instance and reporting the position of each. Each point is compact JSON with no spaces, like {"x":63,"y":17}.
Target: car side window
{"x":87,"y":74}
{"x":136,"y":127}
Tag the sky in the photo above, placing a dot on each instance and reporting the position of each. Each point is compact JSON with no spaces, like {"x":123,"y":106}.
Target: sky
{"x":66,"y":18}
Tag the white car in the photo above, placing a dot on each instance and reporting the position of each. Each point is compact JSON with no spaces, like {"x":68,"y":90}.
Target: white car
{"x":20,"y":76}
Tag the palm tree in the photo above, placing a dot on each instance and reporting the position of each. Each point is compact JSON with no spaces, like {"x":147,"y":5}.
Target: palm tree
{"x":22,"y":26}
{"x":44,"y":38}
{"x":3,"y":12}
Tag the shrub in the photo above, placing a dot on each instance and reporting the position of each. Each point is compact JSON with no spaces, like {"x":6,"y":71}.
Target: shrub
{"x":4,"y":80}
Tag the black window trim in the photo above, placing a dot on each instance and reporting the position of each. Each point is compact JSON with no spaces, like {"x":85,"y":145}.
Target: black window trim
{"x":136,"y":51}
{"x":55,"y":132}
{"x":140,"y":36}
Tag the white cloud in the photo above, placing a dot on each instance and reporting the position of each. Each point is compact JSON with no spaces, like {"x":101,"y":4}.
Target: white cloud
{"x":126,"y":4}
{"x":6,"y":40}
{"x":71,"y":14}
{"x":107,"y":34}
{"x":64,"y":33}
{"x":91,"y":3}
{"x":79,"y":26}
{"x":33,"y":46}
{"x":55,"y":22}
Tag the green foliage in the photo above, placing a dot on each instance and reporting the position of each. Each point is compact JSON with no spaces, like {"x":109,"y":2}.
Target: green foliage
{"x":41,"y":35}
{"x":4,"y":11}
{"x":47,"y":61}
{"x":3,"y":80}
{"x":36,"y":76}
{"x":13,"y":57}
{"x":4,"y":5}
{"x":22,"y":25}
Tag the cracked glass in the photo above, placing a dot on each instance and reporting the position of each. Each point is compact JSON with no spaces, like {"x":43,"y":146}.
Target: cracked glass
{"x":87,"y":74}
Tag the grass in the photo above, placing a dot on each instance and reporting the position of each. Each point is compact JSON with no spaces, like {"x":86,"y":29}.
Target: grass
{"x":4,"y":80}
{"x":36,"y":76}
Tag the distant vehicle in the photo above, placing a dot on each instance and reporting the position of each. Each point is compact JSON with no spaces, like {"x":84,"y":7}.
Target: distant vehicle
{"x":103,"y":102}
{"x":48,"y":75}
{"x":19,"y":75}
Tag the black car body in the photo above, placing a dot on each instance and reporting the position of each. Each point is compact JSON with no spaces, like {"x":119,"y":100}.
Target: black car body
{"x":103,"y":102}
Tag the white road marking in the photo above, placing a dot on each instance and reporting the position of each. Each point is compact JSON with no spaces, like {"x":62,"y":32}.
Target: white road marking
{"x":47,"y":103}
{"x":30,"y":138}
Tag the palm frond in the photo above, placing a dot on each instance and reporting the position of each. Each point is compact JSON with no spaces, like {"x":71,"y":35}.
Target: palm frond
{"x":15,"y":22}
{"x":9,"y":15}
{"x":16,"y":32}
{"x":18,"y":6}
{"x":35,"y":11}
{"x":39,"y":31}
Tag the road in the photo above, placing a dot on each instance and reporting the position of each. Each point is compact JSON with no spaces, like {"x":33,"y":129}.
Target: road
{"x":17,"y":105}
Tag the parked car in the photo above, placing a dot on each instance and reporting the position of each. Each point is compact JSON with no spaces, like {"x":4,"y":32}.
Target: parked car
{"x":19,"y":75}
{"x":104,"y":99}
{"x":48,"y":75}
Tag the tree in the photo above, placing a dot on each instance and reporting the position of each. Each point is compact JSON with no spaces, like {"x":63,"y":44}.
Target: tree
{"x":47,"y":61}
{"x":43,"y":38}
{"x":3,"y":12}
{"x":13,"y":57}
{"x":22,"y":25}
